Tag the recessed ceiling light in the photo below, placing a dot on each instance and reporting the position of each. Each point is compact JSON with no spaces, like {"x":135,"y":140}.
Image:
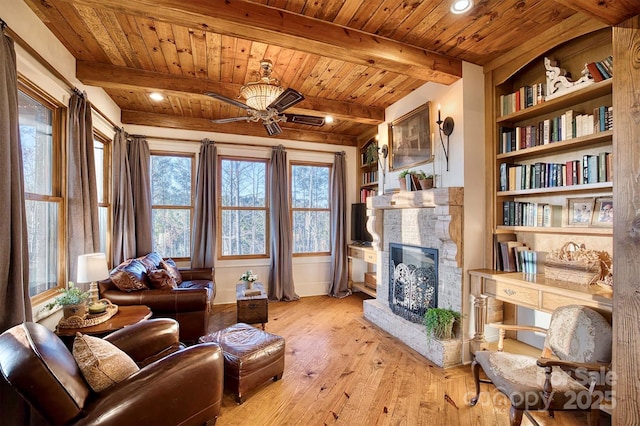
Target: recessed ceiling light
{"x":156,"y":96}
{"x":328,"y":119}
{"x":461,"y":6}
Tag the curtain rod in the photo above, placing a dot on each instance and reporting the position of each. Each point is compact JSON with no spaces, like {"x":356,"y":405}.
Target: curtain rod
{"x":164,"y":138}
{"x":26,"y":46}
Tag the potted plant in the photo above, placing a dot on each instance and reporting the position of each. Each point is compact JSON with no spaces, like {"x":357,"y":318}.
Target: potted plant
{"x":426,"y":181}
{"x":249,"y":278}
{"x":73,"y":301}
{"x":439,"y":322}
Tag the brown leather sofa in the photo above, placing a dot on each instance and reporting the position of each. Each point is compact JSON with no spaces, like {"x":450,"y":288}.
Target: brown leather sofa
{"x":173,"y":386}
{"x":190,"y":303}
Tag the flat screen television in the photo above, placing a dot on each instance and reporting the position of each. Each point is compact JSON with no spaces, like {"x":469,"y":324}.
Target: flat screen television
{"x":359,"y":233}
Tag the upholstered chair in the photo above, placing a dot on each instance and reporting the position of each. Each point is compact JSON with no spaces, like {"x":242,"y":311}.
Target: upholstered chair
{"x":166,"y":384}
{"x":571,"y":374}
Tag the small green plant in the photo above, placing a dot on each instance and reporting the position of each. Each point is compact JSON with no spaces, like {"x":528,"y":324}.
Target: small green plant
{"x":422,"y":175}
{"x":404,"y":173}
{"x":71,"y":295}
{"x":439,"y":322}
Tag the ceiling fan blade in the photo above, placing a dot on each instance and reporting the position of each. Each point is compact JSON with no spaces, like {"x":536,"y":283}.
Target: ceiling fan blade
{"x":305,"y":119}
{"x":273,"y":128}
{"x":227,"y":100}
{"x":287,"y":99}
{"x":230,"y":120}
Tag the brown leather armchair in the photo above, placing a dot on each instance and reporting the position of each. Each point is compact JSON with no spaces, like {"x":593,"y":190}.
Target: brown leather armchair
{"x":190,"y":303}
{"x":173,"y":386}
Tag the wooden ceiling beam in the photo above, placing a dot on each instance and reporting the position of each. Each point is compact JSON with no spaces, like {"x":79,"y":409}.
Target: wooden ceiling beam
{"x":609,"y":12}
{"x":240,"y":128}
{"x":118,"y":77}
{"x":253,"y":21}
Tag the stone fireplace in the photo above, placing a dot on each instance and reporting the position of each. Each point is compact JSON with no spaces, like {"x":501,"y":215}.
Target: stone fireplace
{"x":425,"y":227}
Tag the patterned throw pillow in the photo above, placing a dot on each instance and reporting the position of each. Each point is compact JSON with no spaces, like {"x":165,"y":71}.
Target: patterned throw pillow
{"x":102,"y":364}
{"x":161,"y":279}
{"x":173,"y":270}
{"x":130,"y":276}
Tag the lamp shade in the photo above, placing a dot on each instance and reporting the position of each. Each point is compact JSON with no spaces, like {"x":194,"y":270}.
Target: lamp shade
{"x":92,"y":267}
{"x":260,"y":95}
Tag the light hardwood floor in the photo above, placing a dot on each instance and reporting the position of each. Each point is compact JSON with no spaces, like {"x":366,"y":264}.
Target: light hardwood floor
{"x":341,"y":369}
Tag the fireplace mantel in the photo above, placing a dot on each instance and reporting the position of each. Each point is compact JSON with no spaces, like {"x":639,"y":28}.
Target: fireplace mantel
{"x":415,"y":199}
{"x":448,"y":203}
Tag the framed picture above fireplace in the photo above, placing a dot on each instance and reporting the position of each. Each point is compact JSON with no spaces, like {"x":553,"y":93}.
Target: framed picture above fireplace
{"x":410,"y":140}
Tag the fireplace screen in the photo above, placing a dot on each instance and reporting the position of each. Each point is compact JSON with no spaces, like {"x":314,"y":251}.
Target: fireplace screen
{"x":413,"y":276}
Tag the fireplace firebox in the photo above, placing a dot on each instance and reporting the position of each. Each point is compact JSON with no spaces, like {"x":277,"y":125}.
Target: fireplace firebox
{"x":413,"y":281}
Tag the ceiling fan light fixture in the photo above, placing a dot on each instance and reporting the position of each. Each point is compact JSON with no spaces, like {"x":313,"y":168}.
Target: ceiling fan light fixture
{"x":260,"y":95}
{"x":461,"y":6}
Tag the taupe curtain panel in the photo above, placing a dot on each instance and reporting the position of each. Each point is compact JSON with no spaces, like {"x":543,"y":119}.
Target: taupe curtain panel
{"x":140,"y":163}
{"x":15,"y":306}
{"x":203,"y":237}
{"x":339,"y":281}
{"x":83,"y":229}
{"x":123,"y":243}
{"x":281,"y":285}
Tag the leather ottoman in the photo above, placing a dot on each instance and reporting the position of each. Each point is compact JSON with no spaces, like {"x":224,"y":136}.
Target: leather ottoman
{"x":251,"y":356}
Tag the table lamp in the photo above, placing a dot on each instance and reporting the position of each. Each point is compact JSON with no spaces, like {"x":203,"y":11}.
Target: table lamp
{"x":92,"y":268}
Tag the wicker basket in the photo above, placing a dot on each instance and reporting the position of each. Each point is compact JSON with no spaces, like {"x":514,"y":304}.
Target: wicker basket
{"x":575,"y":263}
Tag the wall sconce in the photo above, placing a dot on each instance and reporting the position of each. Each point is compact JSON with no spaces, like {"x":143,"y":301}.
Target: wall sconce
{"x":445,"y":127}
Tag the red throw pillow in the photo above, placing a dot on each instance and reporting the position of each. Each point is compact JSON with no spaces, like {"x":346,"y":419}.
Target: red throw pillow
{"x":161,"y":279}
{"x":130,"y":276}
{"x":173,"y":270}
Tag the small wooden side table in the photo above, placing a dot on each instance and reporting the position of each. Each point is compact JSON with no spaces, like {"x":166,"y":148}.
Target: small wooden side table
{"x":127,"y":315}
{"x":252,"y":309}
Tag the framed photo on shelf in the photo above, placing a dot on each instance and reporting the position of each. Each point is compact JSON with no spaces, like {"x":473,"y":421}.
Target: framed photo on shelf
{"x":410,"y":139}
{"x":580,"y":211}
{"x":603,"y":212}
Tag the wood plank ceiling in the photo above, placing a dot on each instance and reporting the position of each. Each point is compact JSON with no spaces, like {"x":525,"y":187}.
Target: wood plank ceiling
{"x":350,"y":58}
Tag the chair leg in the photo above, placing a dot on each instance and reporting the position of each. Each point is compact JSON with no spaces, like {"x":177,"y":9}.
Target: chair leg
{"x":515,"y":416}
{"x":475,"y":368}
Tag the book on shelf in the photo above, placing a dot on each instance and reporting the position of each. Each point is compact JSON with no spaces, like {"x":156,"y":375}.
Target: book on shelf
{"x":533,"y":261}
{"x":497,"y":257}
{"x":508,"y":255}
{"x":519,"y":256}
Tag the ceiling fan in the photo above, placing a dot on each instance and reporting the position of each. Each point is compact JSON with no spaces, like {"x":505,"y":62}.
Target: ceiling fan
{"x":267,"y":100}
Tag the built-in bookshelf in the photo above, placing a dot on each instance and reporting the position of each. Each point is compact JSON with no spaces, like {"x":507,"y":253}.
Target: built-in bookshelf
{"x":368,"y":170}
{"x":551,"y":150}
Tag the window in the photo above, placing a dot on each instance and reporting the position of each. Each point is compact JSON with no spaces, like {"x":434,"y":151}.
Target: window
{"x":40,"y":134}
{"x":310,"y":209}
{"x":172,"y":204}
{"x":243,"y":209}
{"x":102,"y":156}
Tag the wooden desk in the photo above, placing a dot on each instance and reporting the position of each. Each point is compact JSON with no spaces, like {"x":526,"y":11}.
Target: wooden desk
{"x":127,"y":315}
{"x":252,"y":309}
{"x":531,"y":291}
